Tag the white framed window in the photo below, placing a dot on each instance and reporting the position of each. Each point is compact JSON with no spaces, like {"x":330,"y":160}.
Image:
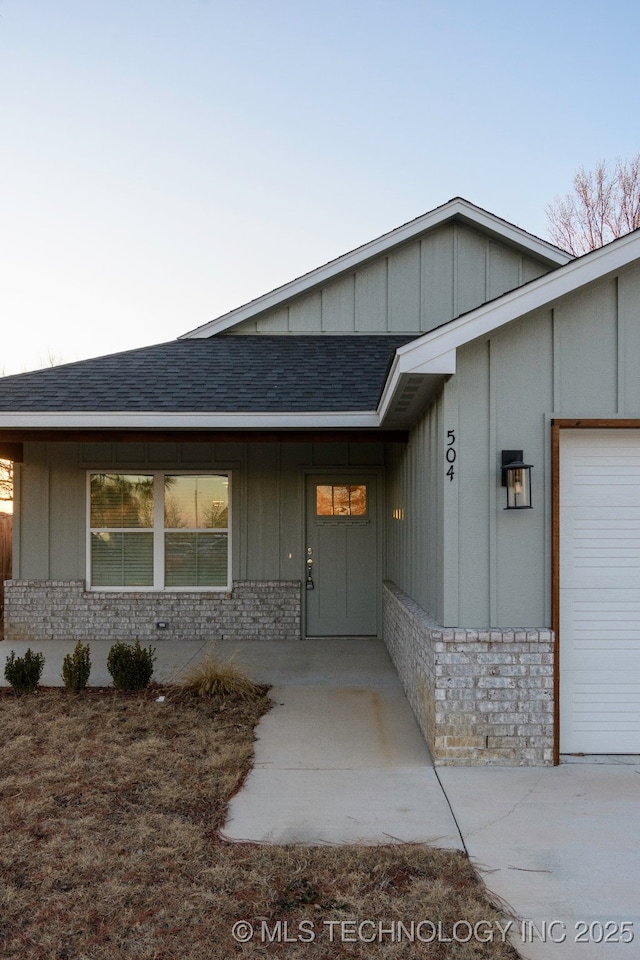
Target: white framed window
{"x":158,"y":530}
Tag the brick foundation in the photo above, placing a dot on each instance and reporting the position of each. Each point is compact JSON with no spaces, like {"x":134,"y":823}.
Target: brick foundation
{"x":38,"y":610}
{"x":480,"y":696}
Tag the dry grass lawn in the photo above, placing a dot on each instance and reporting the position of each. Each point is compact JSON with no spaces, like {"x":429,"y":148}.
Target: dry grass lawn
{"x":110,"y":807}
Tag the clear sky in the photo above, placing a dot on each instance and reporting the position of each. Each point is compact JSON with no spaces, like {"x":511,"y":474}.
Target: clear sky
{"x":163,"y":161}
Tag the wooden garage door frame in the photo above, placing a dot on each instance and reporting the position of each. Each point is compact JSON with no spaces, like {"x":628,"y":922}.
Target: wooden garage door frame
{"x":558,"y":424}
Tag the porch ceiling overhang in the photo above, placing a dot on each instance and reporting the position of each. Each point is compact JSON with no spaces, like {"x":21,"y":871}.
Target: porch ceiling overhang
{"x":12,"y":440}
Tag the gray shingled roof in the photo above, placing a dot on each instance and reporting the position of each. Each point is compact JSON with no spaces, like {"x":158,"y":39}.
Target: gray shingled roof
{"x":221,"y":374}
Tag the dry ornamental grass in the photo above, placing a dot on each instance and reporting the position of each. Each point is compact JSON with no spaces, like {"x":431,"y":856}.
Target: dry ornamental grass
{"x":110,"y":810}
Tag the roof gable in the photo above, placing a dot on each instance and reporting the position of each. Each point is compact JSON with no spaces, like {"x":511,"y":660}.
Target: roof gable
{"x":425,"y":361}
{"x":455,"y":211}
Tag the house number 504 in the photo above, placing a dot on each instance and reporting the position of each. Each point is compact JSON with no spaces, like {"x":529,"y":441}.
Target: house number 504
{"x":451,"y":453}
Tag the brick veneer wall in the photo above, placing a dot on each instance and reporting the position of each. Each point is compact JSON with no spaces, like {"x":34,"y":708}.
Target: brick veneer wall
{"x":480,"y":696}
{"x":63,"y":610}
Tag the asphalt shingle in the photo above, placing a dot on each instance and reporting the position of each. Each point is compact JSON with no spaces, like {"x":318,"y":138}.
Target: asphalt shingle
{"x":266,"y":373}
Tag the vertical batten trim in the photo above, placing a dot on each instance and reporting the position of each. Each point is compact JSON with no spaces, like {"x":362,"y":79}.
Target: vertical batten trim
{"x":420,"y":304}
{"x":278,"y":472}
{"x":621,"y":337}
{"x":454,"y":272}
{"x":493,"y":492}
{"x":546,"y":497}
{"x":386,"y":294}
{"x":555,"y":582}
{"x":241,"y":561}
{"x":353,"y":300}
{"x":555,"y":360}
{"x":487,"y":269}
{"x":47,"y":461}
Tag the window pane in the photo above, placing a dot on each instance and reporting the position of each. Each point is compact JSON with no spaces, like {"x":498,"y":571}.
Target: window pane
{"x":119,"y":500}
{"x":324,"y":500}
{"x":196,"y":502}
{"x":196,"y":559}
{"x":358,"y":500}
{"x":122,"y":559}
{"x":340,"y":500}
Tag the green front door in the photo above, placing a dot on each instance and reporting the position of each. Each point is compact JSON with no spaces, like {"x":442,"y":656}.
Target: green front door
{"x":341,"y":556}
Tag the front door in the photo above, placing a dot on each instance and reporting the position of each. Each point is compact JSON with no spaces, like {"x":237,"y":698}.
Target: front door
{"x":341,"y":554}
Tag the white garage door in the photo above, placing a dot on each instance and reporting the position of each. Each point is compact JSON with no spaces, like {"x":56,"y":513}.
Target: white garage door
{"x":600,"y":591}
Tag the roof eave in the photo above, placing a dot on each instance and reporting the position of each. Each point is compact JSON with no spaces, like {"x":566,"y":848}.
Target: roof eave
{"x":130,"y":420}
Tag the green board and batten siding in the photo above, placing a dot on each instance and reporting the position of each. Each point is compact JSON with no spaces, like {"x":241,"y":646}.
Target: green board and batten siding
{"x":414,"y":525}
{"x":578,"y":358}
{"x":267,"y":498}
{"x":415,"y":288}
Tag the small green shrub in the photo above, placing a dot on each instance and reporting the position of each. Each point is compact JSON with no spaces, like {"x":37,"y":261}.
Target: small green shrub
{"x":23,"y":673}
{"x":76,"y":667}
{"x":131,"y":667}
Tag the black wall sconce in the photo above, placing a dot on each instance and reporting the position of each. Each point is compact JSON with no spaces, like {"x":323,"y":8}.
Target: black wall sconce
{"x":516,"y":477}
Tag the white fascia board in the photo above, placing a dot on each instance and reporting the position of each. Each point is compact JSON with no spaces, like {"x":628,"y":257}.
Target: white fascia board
{"x":390,"y":387}
{"x":420,"y":356}
{"x":124,"y":420}
{"x":444,"y":363}
{"x":512,"y":234}
{"x":428,"y":221}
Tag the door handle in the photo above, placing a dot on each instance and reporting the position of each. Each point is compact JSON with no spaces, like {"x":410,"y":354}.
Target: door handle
{"x":309,"y":584}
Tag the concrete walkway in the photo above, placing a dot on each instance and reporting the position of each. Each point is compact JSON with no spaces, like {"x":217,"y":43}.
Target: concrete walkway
{"x":339,"y":758}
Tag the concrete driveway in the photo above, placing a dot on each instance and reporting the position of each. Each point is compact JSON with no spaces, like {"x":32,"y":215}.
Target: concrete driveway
{"x":562,"y":846}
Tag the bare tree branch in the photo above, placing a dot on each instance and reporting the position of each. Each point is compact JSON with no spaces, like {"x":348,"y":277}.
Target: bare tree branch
{"x":6,"y":481}
{"x":603,"y":205}
{"x":628,"y":177}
